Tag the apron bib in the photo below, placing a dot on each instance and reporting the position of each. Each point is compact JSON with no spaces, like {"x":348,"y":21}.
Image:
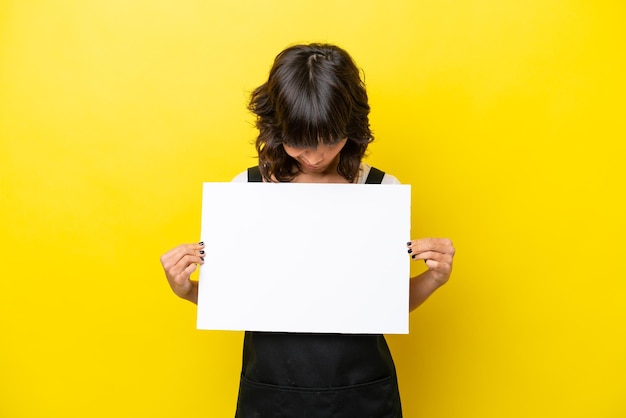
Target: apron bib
{"x":309,"y":375}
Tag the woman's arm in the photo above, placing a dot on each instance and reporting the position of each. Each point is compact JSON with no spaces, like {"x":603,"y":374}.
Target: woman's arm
{"x":438,"y":253}
{"x":179,"y":263}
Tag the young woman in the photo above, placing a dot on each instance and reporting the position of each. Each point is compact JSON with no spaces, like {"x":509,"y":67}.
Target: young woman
{"x":312,"y":117}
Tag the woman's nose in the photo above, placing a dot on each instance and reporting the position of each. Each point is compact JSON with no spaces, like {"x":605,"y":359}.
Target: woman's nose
{"x":315,"y":157}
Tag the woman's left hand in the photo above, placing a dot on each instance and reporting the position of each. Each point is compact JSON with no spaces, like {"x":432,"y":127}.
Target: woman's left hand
{"x":438,"y":253}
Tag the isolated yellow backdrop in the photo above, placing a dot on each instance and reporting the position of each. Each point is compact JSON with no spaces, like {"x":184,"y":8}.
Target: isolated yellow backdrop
{"x":506,"y":117}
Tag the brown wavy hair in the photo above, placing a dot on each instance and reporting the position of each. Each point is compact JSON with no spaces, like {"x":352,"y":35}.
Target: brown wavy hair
{"x":314,"y":95}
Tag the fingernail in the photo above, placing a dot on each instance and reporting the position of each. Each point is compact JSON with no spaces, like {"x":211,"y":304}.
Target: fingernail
{"x":201,"y":251}
{"x":408,"y":243}
{"x":413,"y":256}
{"x":201,"y":243}
{"x":410,"y":250}
{"x":202,"y":258}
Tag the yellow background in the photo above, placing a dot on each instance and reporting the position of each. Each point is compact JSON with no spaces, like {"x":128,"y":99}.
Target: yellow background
{"x":507,"y":117}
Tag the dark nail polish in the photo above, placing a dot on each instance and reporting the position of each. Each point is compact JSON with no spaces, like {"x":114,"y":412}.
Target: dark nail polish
{"x":202,"y":258}
{"x":410,"y":250}
{"x":408,"y":243}
{"x":201,"y":243}
{"x":201,"y":251}
{"x":413,"y":256}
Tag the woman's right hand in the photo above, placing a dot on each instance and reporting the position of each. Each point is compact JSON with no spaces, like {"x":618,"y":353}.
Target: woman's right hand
{"x":179,"y":263}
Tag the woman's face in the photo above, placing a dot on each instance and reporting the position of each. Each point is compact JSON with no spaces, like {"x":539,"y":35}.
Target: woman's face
{"x":316,"y":160}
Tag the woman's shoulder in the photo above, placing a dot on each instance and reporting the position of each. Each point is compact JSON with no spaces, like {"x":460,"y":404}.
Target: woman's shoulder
{"x":241,"y":177}
{"x":364,"y":171}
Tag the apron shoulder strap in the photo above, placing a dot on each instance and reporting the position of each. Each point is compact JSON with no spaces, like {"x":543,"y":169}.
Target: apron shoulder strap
{"x":254,"y":175}
{"x":375,"y":176}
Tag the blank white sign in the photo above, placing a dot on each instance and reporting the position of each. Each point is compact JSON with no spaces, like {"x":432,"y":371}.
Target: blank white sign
{"x":305,"y":257}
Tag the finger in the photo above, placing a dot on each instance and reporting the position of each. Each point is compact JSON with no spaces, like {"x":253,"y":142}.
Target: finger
{"x":443,"y":245}
{"x":426,"y":244}
{"x":174,"y":270}
{"x":439,"y":262}
{"x":433,"y":256}
{"x":173,"y":256}
{"x":436,"y":261}
{"x":186,"y":249}
{"x":185,"y":263}
{"x":426,"y":255}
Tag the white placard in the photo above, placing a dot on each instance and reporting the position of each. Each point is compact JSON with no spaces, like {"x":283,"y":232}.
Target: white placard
{"x":305,"y":257}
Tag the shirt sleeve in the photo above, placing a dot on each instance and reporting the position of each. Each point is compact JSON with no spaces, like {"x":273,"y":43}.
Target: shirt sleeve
{"x":241,"y":177}
{"x":389,"y":179}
